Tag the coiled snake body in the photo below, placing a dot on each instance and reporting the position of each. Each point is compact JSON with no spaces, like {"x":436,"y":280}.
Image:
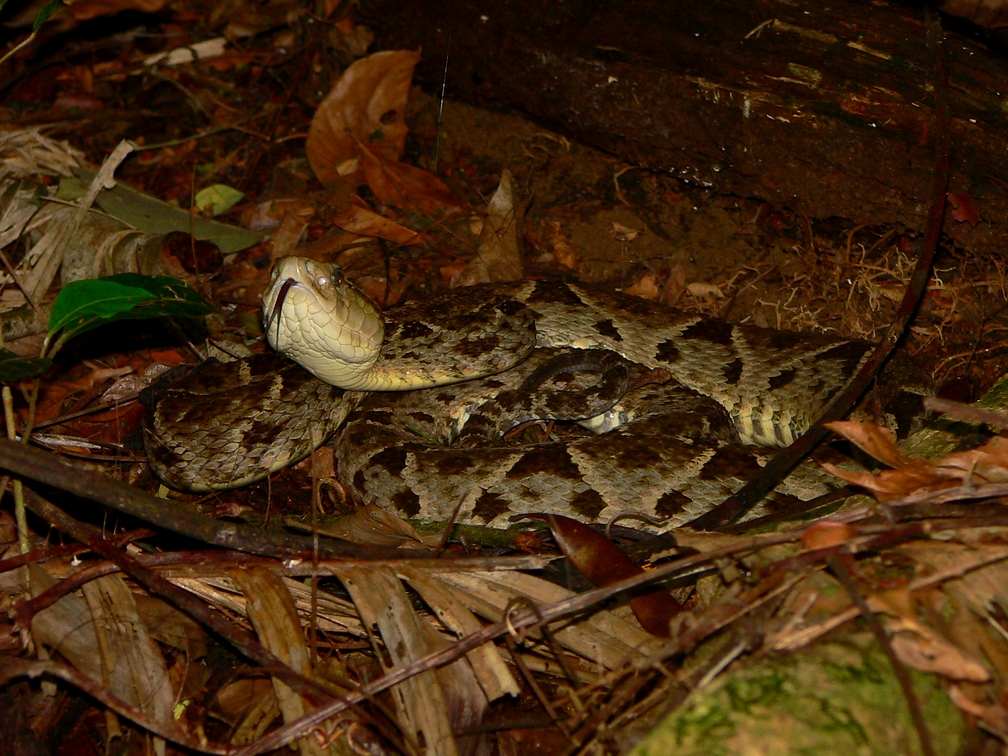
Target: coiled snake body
{"x":227,"y":425}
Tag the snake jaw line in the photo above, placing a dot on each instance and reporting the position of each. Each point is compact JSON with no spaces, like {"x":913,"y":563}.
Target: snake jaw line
{"x":323,"y":322}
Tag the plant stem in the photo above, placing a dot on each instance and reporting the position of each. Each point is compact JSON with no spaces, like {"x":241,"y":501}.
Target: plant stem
{"x":19,"y":504}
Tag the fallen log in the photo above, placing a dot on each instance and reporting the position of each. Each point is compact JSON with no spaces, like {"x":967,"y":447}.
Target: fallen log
{"x":825,"y":108}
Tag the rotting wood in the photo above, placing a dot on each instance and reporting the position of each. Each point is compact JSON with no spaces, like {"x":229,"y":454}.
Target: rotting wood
{"x":824,"y":108}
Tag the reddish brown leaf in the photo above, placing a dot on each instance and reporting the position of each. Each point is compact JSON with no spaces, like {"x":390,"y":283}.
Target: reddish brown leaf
{"x":405,"y":186}
{"x":359,"y":219}
{"x":990,"y":13}
{"x":645,"y":287}
{"x":82,"y":10}
{"x":598,"y":559}
{"x":893,"y":484}
{"x":964,"y":209}
{"x":365,"y":106}
{"x":78,"y":101}
{"x":985,"y":464}
{"x":872,"y":439}
{"x":827,"y":533}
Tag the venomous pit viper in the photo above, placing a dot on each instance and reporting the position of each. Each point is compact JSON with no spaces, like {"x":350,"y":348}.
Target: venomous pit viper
{"x":681,"y":447}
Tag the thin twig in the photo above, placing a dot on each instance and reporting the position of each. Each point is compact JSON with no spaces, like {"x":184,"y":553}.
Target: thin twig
{"x":240,"y":639}
{"x":843,"y":574}
{"x":49,"y":469}
{"x":14,"y":667}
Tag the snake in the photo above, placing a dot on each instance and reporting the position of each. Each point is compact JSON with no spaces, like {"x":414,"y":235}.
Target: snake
{"x":396,"y":386}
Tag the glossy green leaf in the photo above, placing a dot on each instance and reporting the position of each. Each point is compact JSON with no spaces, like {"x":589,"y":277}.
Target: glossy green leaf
{"x":83,"y":305}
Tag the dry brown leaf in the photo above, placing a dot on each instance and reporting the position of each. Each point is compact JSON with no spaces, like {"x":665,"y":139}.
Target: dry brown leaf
{"x":82,"y":10}
{"x":286,"y":239}
{"x":375,"y":526}
{"x":270,"y":608}
{"x":893,"y":484}
{"x":488,"y":665}
{"x":103,"y":638}
{"x":985,"y":464}
{"x":405,"y":186}
{"x":990,"y":13}
{"x":646,"y":287}
{"x":563,"y":252}
{"x":131,"y":664}
{"x":366,"y":105}
{"x":920,"y":648}
{"x":704,"y":291}
{"x":872,"y":439}
{"x":608,"y":638}
{"x":623,"y":233}
{"x":420,"y":701}
{"x":359,"y":219}
{"x":994,"y":717}
{"x":497,"y":257}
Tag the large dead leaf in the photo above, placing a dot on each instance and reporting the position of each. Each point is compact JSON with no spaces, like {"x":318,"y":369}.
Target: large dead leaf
{"x":420,"y":701}
{"x":606,"y":639}
{"x":82,"y":10}
{"x":492,"y":673}
{"x":598,"y":559}
{"x":366,"y":105}
{"x":924,"y":650}
{"x":405,"y":186}
{"x":360,"y":219}
{"x":872,"y":439}
{"x":990,"y":13}
{"x":271,"y":610}
{"x":497,"y":257}
{"x":100,"y":634}
{"x":985,"y":464}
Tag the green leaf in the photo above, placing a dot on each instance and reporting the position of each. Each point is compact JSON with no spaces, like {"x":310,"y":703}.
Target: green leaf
{"x":219,"y":197}
{"x":83,"y":305}
{"x":14,"y":368}
{"x":45,"y":12}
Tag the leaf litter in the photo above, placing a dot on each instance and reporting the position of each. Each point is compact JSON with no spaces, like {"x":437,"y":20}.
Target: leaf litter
{"x":930,"y":567}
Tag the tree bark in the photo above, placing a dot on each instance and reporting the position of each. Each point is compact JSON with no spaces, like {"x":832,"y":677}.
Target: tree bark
{"x":826,"y":108}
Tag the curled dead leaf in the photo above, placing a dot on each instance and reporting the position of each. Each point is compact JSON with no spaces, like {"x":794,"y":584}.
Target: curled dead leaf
{"x":827,"y":533}
{"x":623,"y":233}
{"x":497,"y":257}
{"x":366,"y":105}
{"x":362,"y":220}
{"x":985,"y":464}
{"x":598,"y":559}
{"x":922,"y":649}
{"x":563,"y":251}
{"x":704,"y":291}
{"x":646,"y":287}
{"x":406,"y":186}
{"x":964,"y":210}
{"x":871,"y":439}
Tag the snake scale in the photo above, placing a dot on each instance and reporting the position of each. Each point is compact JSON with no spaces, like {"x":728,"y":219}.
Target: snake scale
{"x":681,"y":445}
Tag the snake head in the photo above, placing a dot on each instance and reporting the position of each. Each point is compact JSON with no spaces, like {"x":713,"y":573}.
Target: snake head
{"x":321,"y":321}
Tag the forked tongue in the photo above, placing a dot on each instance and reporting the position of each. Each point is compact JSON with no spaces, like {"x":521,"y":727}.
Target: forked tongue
{"x":278,"y":307}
